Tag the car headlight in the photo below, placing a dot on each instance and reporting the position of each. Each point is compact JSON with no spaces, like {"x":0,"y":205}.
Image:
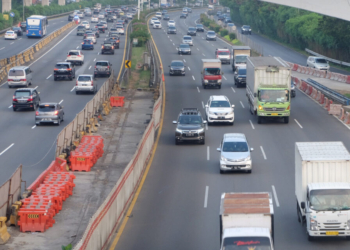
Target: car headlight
{"x":260,"y":107}
{"x":231,"y":112}
{"x":313,"y":224}
{"x":211,"y":113}
{"x":219,"y":81}
{"x":183,"y":69}
{"x":247,"y":159}
{"x":205,"y":81}
{"x":178,"y":130}
{"x":200,"y":130}
{"x":223,"y":158}
{"x":250,"y":30}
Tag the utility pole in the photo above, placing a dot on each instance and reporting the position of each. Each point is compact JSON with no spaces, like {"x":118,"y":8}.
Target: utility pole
{"x":138,"y":9}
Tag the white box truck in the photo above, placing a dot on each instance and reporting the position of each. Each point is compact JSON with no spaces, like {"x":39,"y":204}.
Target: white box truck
{"x":322,"y":188}
{"x":268,"y":85}
{"x":211,"y":73}
{"x":246,"y":220}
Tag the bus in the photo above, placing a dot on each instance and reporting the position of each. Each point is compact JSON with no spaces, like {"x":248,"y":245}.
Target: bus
{"x":36,"y":26}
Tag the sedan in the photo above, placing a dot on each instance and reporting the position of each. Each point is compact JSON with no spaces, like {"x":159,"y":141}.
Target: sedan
{"x":171,"y":23}
{"x":184,"y":49}
{"x":18,"y":31}
{"x":10,"y":35}
{"x":49,"y":113}
{"x":104,"y":24}
{"x":157,"y":25}
{"x":177,"y":67}
{"x":246,"y":30}
{"x":171,"y":30}
{"x":187,"y":40}
{"x":200,"y":28}
{"x":166,"y":17}
{"x":94,"y":19}
{"x":92,"y":37}
{"x":183,"y":15}
{"x":153,"y":20}
{"x":87,"y":44}
{"x":192,"y":31}
{"x":85,"y":24}
{"x":211,"y":35}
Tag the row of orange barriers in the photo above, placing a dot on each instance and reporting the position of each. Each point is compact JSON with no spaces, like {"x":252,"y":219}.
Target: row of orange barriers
{"x":49,"y":191}
{"x":84,"y":157}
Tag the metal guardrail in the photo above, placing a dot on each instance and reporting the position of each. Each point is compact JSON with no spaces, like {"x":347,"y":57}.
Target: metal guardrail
{"x":329,"y":92}
{"x":328,"y":59}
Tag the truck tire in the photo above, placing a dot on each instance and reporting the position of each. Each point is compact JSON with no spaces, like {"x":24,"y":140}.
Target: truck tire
{"x":219,"y":86}
{"x":286,"y":119}
{"x":259,"y":119}
{"x":298,"y":213}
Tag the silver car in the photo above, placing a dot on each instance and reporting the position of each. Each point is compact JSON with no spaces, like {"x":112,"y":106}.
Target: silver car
{"x":317,"y":63}
{"x":211,"y":35}
{"x":49,"y":113}
{"x":235,"y":153}
{"x":187,"y":40}
{"x":85,"y":83}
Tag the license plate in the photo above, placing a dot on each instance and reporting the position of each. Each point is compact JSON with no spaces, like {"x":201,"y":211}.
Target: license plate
{"x":84,"y":84}
{"x":46,"y":119}
{"x":189,"y":134}
{"x":22,"y":100}
{"x":332,"y":233}
{"x":274,"y":114}
{"x":221,"y":118}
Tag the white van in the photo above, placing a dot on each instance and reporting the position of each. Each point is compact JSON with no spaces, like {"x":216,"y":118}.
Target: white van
{"x":20,"y":76}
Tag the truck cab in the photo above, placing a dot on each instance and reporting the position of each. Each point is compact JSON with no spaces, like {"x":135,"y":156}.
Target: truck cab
{"x":211,"y":73}
{"x":224,"y":55}
{"x":240,"y":54}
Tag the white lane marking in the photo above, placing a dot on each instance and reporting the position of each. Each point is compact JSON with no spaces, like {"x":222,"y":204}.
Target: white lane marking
{"x":206,"y":126}
{"x":241,"y":104}
{"x":7,"y":148}
{"x":61,"y":21}
{"x":207,"y":42}
{"x":184,"y":60}
{"x":48,"y":76}
{"x":168,"y":36}
{"x":90,"y":67}
{"x":208,"y":155}
{"x":73,"y":89}
{"x":206,"y":197}
{"x":202,"y":104}
{"x":197,"y":49}
{"x":34,"y":127}
{"x":225,"y":78}
{"x":275,"y":195}
{"x":189,"y":68}
{"x":251,"y":124}
{"x":203,"y":54}
{"x":263,"y":152}
{"x":77,"y":47}
{"x":11,"y":43}
{"x":54,"y":23}
{"x":2,"y":48}
{"x":60,"y":102}
{"x":233,"y":90}
{"x":198,"y":90}
{"x":193,"y":78}
{"x":36,"y":87}
{"x":171,"y":40}
{"x":10,"y":106}
{"x":95,"y":59}
{"x":174,"y":44}
{"x":298,"y":123}
{"x":98,"y":53}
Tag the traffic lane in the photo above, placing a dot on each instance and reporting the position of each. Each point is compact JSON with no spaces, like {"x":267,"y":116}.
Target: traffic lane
{"x":10,"y":48}
{"x":61,"y":90}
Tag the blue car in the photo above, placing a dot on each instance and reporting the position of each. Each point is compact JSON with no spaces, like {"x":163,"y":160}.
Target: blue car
{"x":87,"y":44}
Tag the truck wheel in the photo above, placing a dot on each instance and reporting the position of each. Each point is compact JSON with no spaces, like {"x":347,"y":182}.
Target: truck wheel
{"x":259,"y":119}
{"x":219,"y":86}
{"x":298,"y":213}
{"x":286,"y":119}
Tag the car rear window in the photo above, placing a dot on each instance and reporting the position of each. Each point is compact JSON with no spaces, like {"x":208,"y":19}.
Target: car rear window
{"x":102,"y":64}
{"x":81,"y":28}
{"x":73,"y":53}
{"x":84,"y":78}
{"x":22,"y":93}
{"x":46,"y":108}
{"x":16,"y":73}
{"x":62,"y":66}
{"x":87,"y":41}
{"x":223,"y":53}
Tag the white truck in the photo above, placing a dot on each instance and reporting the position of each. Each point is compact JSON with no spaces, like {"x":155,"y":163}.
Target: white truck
{"x":246,"y":220}
{"x":239,"y":56}
{"x":322,"y":188}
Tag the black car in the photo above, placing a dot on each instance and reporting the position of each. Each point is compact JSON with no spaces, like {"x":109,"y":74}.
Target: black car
{"x":246,"y":30}
{"x":102,"y":68}
{"x":184,"y":49}
{"x":71,"y":17}
{"x":177,"y":67}
{"x":114,"y":39}
{"x":109,"y":19}
{"x":200,"y":28}
{"x":190,"y":126}
{"x":164,"y":12}
{"x":166,"y":17}
{"x":183,"y":15}
{"x":125,"y":19}
{"x":64,"y":70}
{"x":101,"y":28}
{"x":171,"y":30}
{"x":240,"y":76}
{"x":17,"y":30}
{"x":27,"y":98}
{"x":228,"y":20}
{"x":192,"y":31}
{"x":24,"y":26}
{"x":107,"y":47}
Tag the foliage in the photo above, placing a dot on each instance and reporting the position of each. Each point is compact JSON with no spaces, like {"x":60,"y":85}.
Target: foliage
{"x":223,"y":32}
{"x":232,"y":36}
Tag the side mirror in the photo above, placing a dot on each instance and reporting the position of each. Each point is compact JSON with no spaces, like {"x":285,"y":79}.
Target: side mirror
{"x":218,"y":149}
{"x":207,"y":106}
{"x":254,"y":94}
{"x":174,"y":122}
{"x":251,"y":149}
{"x":204,"y":122}
{"x":233,"y":105}
{"x":302,"y":205}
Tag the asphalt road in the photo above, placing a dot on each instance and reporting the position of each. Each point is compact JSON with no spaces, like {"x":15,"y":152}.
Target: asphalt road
{"x":170,"y":212}
{"x":10,"y":48}
{"x":32,"y":146}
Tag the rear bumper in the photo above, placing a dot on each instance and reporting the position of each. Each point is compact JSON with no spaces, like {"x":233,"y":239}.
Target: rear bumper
{"x":85,"y":88}
{"x":21,"y":83}
{"x":87,"y":47}
{"x":23,"y":105}
{"x":102,"y":72}
{"x":46,"y":119}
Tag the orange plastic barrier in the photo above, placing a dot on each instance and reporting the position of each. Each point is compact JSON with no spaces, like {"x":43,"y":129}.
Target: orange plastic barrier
{"x":36,"y":217}
{"x":117,"y":101}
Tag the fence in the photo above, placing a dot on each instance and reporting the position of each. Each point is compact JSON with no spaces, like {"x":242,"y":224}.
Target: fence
{"x":10,"y":191}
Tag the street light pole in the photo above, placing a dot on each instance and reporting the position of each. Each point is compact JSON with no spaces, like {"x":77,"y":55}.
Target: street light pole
{"x":138,"y":10}
{"x":23,"y":10}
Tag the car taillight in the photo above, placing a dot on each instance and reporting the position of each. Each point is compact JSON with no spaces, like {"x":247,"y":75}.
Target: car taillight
{"x":76,"y":83}
{"x":91,"y":43}
{"x":69,"y":55}
{"x":37,"y":113}
{"x":55,"y":69}
{"x":39,"y":32}
{"x":10,"y":80}
{"x":103,"y":47}
{"x":56,"y":112}
{"x":92,"y":83}
{"x":30,"y":99}
{"x":23,"y":80}
{"x":112,"y":47}
{"x":14,"y":99}
{"x":27,"y":31}
{"x":69,"y":69}
{"x":107,"y":67}
{"x":79,"y":55}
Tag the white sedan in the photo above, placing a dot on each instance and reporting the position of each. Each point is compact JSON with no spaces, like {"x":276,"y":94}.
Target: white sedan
{"x":153,"y":20}
{"x":75,"y":57}
{"x":171,"y":23}
{"x":10,"y":34}
{"x":157,"y":25}
{"x":120,"y":29}
{"x":86,"y":24}
{"x":94,"y":19}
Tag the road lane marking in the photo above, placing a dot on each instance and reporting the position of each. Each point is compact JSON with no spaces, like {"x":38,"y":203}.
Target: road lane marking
{"x":193,"y":78}
{"x":174,"y":44}
{"x":48,"y":76}
{"x":7,"y":149}
{"x":241,"y":104}
{"x":206,"y":126}
{"x":36,"y":87}
{"x":298,"y":123}
{"x":202,"y":104}
{"x":34,"y":127}
{"x":275,"y":195}
{"x":90,"y":67}
{"x":197,"y":49}
{"x":198,"y":90}
{"x":184,"y":60}
{"x":233,"y":90}
{"x":189,"y":68}
{"x":251,"y":124}
{"x":11,"y":43}
{"x":203,"y":54}
{"x":206,"y":197}
{"x":72,"y":89}
{"x":225,"y":78}
{"x":77,"y":47}
{"x":10,"y":106}
{"x":60,"y":102}
{"x":263,"y":152}
{"x":2,"y":48}
{"x":171,"y":40}
{"x":19,"y":39}
{"x":208,"y":153}
{"x":95,"y":59}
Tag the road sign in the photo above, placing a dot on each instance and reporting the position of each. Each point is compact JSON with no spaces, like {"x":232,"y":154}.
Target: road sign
{"x":6,"y":16}
{"x":127,"y":64}
{"x":12,"y":14}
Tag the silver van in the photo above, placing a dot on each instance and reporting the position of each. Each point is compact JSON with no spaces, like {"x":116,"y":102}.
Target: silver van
{"x":20,"y":76}
{"x":317,"y":63}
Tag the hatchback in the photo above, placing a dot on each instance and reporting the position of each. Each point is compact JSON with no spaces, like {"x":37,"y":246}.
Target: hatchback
{"x":87,"y":44}
{"x":49,"y":113}
{"x":85,"y":83}
{"x":177,"y":67}
{"x":102,"y":68}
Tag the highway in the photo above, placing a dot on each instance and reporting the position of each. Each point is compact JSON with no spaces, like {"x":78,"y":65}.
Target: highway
{"x":24,"y":143}
{"x":10,"y":48}
{"x":171,"y":212}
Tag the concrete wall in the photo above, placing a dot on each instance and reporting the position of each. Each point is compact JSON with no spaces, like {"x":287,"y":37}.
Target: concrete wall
{"x":6,"y":5}
{"x":61,"y":2}
{"x":338,"y":8}
{"x":45,"y":2}
{"x":28,"y":2}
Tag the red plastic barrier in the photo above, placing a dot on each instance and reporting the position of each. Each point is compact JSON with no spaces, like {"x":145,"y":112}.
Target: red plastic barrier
{"x":117,"y":101}
{"x":34,"y":220}
{"x":321,"y":101}
{"x":348,"y":79}
{"x":347,"y":118}
{"x":295,"y":67}
{"x":309,"y":90}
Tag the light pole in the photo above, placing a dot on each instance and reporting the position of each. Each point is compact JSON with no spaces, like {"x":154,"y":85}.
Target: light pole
{"x":23,"y":10}
{"x":138,"y":9}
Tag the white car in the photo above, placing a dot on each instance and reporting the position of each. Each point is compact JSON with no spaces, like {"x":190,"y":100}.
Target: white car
{"x":129,"y":15}
{"x":157,"y":25}
{"x":153,"y":20}
{"x":219,"y":109}
{"x":94,"y":19}
{"x":85,"y":83}
{"x":187,"y":40}
{"x":10,"y":34}
{"x":85,"y":24}
{"x":80,"y":14}
{"x":104,"y":24}
{"x":102,"y":16}
{"x":114,"y":16}
{"x":317,"y":63}
{"x":235,"y":153}
{"x":75,"y":57}
{"x":120,"y":29}
{"x":171,"y":23}
{"x":91,"y":37}
{"x":159,"y":15}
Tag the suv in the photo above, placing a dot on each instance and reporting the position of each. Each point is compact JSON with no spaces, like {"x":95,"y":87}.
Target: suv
{"x":110,"y":19}
{"x":103,"y":67}
{"x":25,"y":98}
{"x":114,"y":39}
{"x":71,"y":17}
{"x":240,"y":76}
{"x":19,"y":76}
{"x":85,"y":83}
{"x":211,"y":35}
{"x":235,"y":153}
{"x":224,"y":55}
{"x":317,"y":63}
{"x":190,"y":126}
{"x":184,"y":49}
{"x":64,"y":70}
{"x":183,"y":15}
{"x":187,"y":40}
{"x":75,"y":57}
{"x":219,"y":109}
{"x":246,"y":30}
{"x":81,"y":30}
{"x":107,"y":47}
{"x":49,"y":113}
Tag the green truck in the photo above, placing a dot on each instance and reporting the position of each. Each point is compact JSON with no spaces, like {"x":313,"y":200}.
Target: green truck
{"x":268,"y":88}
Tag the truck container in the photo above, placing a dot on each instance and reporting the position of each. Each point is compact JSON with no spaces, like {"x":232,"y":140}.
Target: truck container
{"x":246,"y":219}
{"x":268,"y":86}
{"x":211,"y":73}
{"x":239,"y":56}
{"x":322,"y":188}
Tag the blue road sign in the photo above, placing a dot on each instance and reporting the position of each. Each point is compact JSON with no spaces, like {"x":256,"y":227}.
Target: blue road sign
{"x":12,"y":14}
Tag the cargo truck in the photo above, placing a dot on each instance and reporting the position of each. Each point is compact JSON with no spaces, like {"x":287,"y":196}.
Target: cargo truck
{"x":246,"y":221}
{"x":239,"y":56}
{"x":322,"y":188}
{"x":268,"y":88}
{"x":211,"y":73}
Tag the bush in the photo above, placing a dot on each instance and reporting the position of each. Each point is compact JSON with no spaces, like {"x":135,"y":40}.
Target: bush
{"x":217,"y":28}
{"x":232,"y":36}
{"x":206,"y":23}
{"x":140,"y":32}
{"x":223,"y":32}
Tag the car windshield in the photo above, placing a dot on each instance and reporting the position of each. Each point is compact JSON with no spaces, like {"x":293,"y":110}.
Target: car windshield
{"x":187,"y":38}
{"x":84,"y":78}
{"x":244,"y":243}
{"x":212,"y":71}
{"x":225,"y":53}
{"x":190,"y":119}
{"x":211,"y":33}
{"x":73,"y":53}
{"x":199,"y":25}
{"x":171,"y":28}
{"x":192,"y":29}
{"x":242,"y":72}
{"x":241,"y":59}
{"x":9,"y":32}
{"x":62,"y":66}
{"x":219,"y":104}
{"x":330,"y":199}
{"x":318,"y":60}
{"x":16,"y":28}
{"x":177,"y":64}
{"x":246,"y":27}
{"x":102,"y":64}
{"x":235,"y":146}
{"x":269,"y":95}
{"x":184,"y":46}
{"x":22,"y":93}
{"x":46,"y":108}
{"x":16,"y":73}
{"x":87,"y":41}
